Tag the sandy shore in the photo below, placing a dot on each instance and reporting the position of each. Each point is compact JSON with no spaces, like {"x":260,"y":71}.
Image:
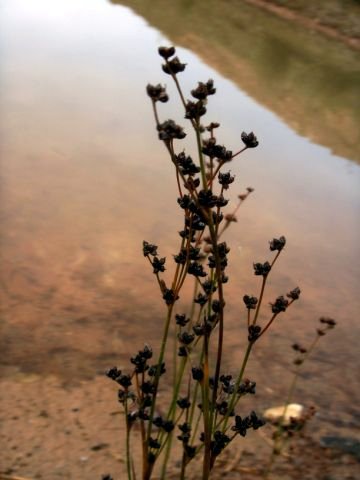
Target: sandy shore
{"x":54,"y":431}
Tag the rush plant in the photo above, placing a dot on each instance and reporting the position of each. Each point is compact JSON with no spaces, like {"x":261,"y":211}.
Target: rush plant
{"x":203,"y":413}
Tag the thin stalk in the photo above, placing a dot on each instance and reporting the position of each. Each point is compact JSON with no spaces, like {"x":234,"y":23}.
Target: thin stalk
{"x":216,"y":171}
{"x":156,"y":274}
{"x":160,"y":360}
{"x":184,"y":456}
{"x":205,"y":408}
{"x":170,"y":416}
{"x":193,"y":405}
{"x":176,"y":390}
{"x":233,"y":213}
{"x":167,"y":456}
{"x":217,"y":214}
{"x":172,"y":156}
{"x":267,"y":325}
{"x":197,"y":423}
{"x":213,"y":459}
{"x":155,"y":113}
{"x":265,"y":277}
{"x":193,"y":304}
{"x":238,"y":153}
{"x":170,"y":147}
{"x":175,"y":366}
{"x":183,"y":466}
{"x":236,"y":387}
{"x":165,"y":443}
{"x":277,"y":448}
{"x":201,"y":157}
{"x":174,"y":77}
{"x":260,"y":299}
{"x":142,"y":424}
{"x":128,"y":455}
{"x":211,"y":171}
{"x":271,"y":321}
{"x":221,"y":312}
{"x":223,"y":163}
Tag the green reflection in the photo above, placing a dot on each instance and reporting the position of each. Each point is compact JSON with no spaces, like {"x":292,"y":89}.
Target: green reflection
{"x":308,"y":80}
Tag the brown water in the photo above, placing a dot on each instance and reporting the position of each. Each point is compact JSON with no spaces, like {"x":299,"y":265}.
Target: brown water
{"x":84,"y":180}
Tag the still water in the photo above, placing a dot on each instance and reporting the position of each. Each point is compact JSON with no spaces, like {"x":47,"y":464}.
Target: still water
{"x":84,"y":180}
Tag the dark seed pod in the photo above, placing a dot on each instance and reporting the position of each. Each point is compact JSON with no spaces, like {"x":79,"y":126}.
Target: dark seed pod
{"x":166,"y":52}
{"x":249,"y":140}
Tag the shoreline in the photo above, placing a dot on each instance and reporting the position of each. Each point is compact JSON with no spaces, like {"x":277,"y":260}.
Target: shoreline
{"x":303,"y":20}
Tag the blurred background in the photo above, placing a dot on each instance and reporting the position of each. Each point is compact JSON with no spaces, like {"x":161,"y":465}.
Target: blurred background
{"x":84,"y":181}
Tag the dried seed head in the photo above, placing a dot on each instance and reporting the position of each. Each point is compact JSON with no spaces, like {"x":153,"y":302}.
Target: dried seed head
{"x":157,"y":93}
{"x":197,"y":373}
{"x":262,"y":268}
{"x":294,"y":294}
{"x":250,"y":302}
{"x":254,"y":333}
{"x":225,"y":179}
{"x":183,"y":403}
{"x":166,"y":52}
{"x":249,"y":139}
{"x":280,"y":305}
{"x":149,"y":249}
{"x":173,"y":67}
{"x":203,"y":90}
{"x":169,"y":130}
{"x":181,"y":320}
{"x":277,"y":244}
{"x":194,"y":110}
{"x":328,"y":321}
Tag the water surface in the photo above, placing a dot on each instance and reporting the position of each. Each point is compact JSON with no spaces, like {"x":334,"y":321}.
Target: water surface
{"x":84,"y":180}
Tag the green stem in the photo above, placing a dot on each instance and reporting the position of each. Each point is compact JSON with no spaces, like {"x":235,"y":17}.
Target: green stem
{"x":236,"y":387}
{"x":172,"y":408}
{"x":221,"y":312}
{"x":294,"y":383}
{"x":192,"y":409}
{"x":265,"y":277}
{"x":160,"y":361}
{"x":279,"y":442}
{"x":142,"y":424}
{"x":183,"y":466}
{"x":205,"y":408}
{"x":128,"y":456}
{"x":167,"y":456}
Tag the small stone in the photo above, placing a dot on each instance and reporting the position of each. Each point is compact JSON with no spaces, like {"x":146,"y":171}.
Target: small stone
{"x":293,"y":410}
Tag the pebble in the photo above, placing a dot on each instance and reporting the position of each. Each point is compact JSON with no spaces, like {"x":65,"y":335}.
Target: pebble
{"x":293,"y":410}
